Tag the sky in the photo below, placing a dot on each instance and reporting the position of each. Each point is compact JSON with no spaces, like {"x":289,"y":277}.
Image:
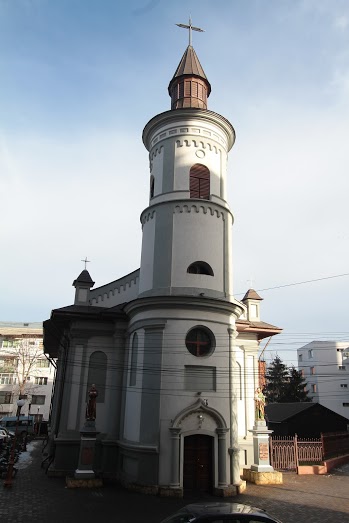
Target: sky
{"x":79,"y":80}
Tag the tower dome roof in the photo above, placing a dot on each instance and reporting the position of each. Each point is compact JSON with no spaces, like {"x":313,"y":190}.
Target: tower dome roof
{"x":189,"y":86}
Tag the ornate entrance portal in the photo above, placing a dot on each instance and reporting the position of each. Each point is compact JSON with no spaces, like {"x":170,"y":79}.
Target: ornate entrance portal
{"x":198,"y":463}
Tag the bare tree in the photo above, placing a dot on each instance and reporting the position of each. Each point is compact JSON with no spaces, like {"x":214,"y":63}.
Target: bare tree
{"x":20,"y":358}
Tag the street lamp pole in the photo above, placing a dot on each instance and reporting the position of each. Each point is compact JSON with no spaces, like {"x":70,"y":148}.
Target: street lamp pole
{"x":25,"y":439}
{"x":9,"y":474}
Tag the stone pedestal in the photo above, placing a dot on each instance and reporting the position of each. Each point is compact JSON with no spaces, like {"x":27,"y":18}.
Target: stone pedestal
{"x":261,"y":472}
{"x":87,"y":451}
{"x":261,"y":447}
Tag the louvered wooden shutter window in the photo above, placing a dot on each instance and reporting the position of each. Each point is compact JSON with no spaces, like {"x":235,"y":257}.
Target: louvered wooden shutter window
{"x":199,"y":182}
{"x":181,"y":90}
{"x":200,"y":92}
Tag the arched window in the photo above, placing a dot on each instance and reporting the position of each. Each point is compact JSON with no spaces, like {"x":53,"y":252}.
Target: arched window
{"x":199,"y":182}
{"x":134,"y":360}
{"x":97,"y":373}
{"x":152,"y":187}
{"x":200,"y":267}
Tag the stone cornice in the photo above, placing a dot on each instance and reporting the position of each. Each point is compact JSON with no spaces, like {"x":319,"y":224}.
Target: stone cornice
{"x":184,"y":115}
{"x":184,"y":302}
{"x":188,"y":205}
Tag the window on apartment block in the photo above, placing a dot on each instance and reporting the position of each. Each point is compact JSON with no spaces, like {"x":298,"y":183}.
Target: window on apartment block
{"x":310,"y":353}
{"x":341,"y":367}
{"x":8,"y":364}
{"x":344,"y":385}
{"x":300,"y":357}
{"x":199,"y":182}
{"x":38,"y":399}
{"x":345,"y":404}
{"x":312,"y":370}
{"x":7,"y":379}
{"x":40,"y":381}
{"x":6,"y":397}
{"x":42,"y":363}
{"x":313,"y":387}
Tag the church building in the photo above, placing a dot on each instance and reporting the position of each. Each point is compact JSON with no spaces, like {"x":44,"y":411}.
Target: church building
{"x":172,"y":353}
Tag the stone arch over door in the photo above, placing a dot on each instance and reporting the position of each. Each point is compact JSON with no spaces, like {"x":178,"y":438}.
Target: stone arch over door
{"x":192,"y":420}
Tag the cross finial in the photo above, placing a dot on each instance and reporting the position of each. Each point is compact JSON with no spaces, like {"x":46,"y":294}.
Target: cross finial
{"x":85,"y":261}
{"x":190,"y":28}
{"x":250,"y":282}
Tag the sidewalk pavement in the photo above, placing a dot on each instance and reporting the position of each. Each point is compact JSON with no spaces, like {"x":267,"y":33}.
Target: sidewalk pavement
{"x":37,"y":498}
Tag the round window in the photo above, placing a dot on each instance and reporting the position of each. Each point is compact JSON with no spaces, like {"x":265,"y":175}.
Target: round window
{"x":200,"y":341}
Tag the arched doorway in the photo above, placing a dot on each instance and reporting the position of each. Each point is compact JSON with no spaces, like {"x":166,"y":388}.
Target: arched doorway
{"x":198,"y":463}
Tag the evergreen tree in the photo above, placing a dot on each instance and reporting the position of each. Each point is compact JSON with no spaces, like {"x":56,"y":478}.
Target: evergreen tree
{"x":284,"y":384}
{"x":295,"y":390}
{"x":277,"y":379}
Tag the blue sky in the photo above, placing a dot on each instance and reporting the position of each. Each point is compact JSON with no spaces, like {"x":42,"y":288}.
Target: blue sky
{"x":79,"y":81}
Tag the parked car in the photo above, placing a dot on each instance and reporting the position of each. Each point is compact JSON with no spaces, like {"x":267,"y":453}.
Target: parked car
{"x":9,"y":432}
{"x":4,"y":436}
{"x":25,"y":424}
{"x":220,"y":513}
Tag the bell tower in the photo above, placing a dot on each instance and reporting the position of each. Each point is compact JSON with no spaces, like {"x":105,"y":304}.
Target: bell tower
{"x":187,"y":227}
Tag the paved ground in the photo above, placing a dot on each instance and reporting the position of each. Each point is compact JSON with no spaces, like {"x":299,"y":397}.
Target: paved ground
{"x":36,"y":498}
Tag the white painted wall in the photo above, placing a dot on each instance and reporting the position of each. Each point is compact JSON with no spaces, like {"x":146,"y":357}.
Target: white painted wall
{"x":133,"y":405}
{"x":119,"y":291}
{"x":190,"y":244}
{"x":331,"y":381}
{"x":147,"y":257}
{"x":156,"y":160}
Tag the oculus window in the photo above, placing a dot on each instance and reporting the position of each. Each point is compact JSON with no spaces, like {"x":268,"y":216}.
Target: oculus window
{"x":200,"y":341}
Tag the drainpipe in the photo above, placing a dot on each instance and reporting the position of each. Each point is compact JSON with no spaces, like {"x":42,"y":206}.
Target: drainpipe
{"x":234,"y":449}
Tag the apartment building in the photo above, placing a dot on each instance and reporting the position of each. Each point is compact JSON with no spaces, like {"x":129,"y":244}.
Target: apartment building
{"x":325,"y":367}
{"x":25,"y":370}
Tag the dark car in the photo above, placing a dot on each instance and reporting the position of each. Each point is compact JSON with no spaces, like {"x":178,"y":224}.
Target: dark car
{"x":220,"y":513}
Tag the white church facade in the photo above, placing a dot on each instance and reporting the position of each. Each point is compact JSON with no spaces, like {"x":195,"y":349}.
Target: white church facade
{"x":173,"y":355}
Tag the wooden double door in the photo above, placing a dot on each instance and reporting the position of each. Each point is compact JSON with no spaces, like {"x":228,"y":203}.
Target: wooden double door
{"x":198,"y":463}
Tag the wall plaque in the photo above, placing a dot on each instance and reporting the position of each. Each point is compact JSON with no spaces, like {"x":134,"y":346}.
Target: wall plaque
{"x":263,"y":451}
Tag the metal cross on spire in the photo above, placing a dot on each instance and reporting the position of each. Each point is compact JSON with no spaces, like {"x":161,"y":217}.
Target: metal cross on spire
{"x":85,"y":261}
{"x":190,"y":28}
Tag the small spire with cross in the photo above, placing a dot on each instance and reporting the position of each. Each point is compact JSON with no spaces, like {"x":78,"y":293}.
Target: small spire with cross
{"x":250,"y":282}
{"x":85,"y":261}
{"x":191,"y":28}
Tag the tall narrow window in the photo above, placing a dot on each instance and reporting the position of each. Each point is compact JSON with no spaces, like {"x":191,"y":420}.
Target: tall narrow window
{"x":152,"y":187}
{"x":97,"y":373}
{"x":199,"y":182}
{"x":134,"y":359}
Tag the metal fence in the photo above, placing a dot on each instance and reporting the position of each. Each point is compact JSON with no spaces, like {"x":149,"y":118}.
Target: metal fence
{"x":287,"y":452}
